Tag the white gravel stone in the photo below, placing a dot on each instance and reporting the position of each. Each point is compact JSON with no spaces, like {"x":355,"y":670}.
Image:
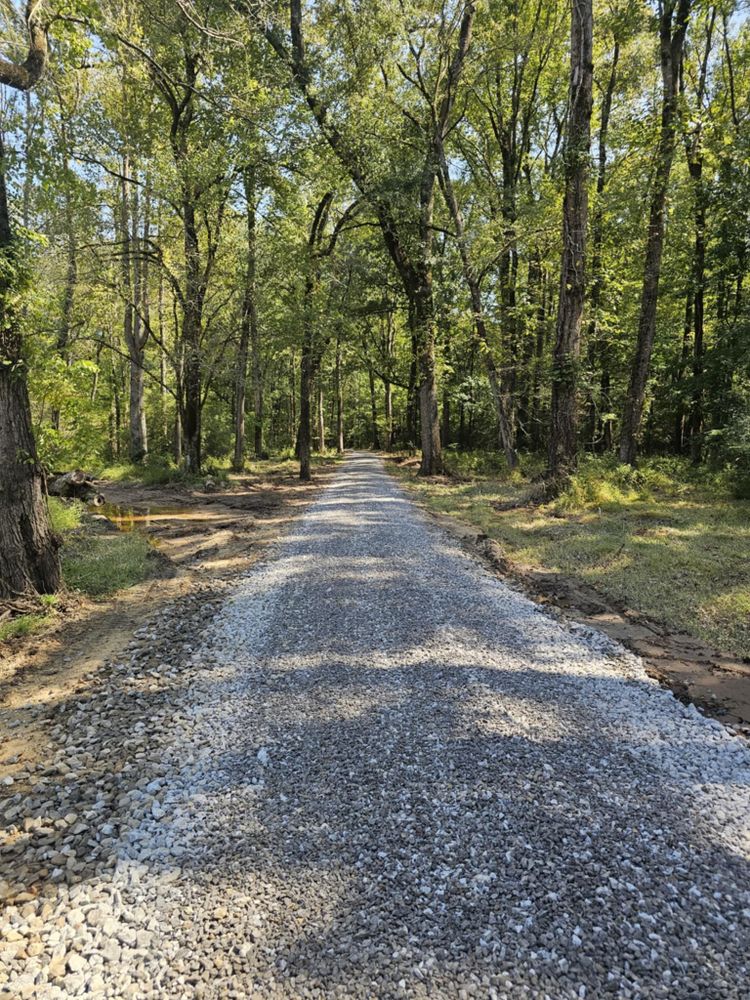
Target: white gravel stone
{"x":373,"y":770}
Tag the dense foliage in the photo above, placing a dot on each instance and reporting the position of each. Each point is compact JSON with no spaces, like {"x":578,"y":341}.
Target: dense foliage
{"x":218,"y":216}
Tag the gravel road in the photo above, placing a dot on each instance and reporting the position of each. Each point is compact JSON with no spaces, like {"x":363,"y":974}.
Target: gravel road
{"x":370,"y":769}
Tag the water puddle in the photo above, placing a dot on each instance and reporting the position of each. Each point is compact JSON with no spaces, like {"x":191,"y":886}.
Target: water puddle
{"x":142,"y":518}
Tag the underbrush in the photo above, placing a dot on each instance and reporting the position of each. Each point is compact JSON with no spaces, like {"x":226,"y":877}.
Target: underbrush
{"x":465,"y":464}
{"x":158,"y":472}
{"x":604,"y":482}
{"x":162,"y":472}
{"x":27,"y":624}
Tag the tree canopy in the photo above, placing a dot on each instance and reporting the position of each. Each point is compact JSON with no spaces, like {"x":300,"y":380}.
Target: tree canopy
{"x":236,"y":227}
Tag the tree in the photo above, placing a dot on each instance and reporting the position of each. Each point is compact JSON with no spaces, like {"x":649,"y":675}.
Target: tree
{"x":408,"y":235}
{"x":563,"y":440}
{"x":673,"y":25}
{"x":29,"y":559}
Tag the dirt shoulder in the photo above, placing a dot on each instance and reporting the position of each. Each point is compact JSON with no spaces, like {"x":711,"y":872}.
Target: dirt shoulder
{"x":199,"y":538}
{"x":694,"y":671}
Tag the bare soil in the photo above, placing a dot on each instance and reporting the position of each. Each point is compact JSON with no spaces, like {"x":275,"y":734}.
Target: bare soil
{"x":198,"y":536}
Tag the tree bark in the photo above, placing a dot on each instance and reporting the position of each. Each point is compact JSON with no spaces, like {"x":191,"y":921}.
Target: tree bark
{"x":375,"y":435}
{"x":694,"y":150}
{"x":29,"y":561}
{"x":563,"y":441}
{"x":134,"y":329}
{"x":321,"y":418}
{"x":673,"y":24}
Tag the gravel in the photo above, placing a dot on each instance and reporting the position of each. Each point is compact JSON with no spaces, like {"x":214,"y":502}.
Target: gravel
{"x":371,"y":769}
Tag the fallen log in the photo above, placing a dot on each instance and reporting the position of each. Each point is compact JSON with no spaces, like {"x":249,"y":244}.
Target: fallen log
{"x":75,"y":485}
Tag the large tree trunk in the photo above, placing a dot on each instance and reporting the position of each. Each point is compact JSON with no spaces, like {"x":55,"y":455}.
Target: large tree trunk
{"x":29,"y":560}
{"x":563,"y":442}
{"x":28,"y":549}
{"x":424,"y":334}
{"x":672,"y":30}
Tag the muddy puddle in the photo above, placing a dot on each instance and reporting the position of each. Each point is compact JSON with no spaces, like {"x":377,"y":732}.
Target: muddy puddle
{"x":139,"y":518}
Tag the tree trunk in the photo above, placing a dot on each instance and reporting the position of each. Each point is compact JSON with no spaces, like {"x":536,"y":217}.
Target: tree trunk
{"x":678,"y":434}
{"x":388,"y":406}
{"x":339,"y":401}
{"x":424,"y":335}
{"x":672,"y":30}
{"x":132,"y":327}
{"x":597,"y":345}
{"x":412,"y":397}
{"x":191,"y":339}
{"x":699,"y":282}
{"x":563,"y":430}
{"x":303,"y":433}
{"x":248,"y":334}
{"x":71,"y":271}
{"x":29,"y":561}
{"x":321,"y":418}
{"x":694,"y":149}
{"x":373,"y":410}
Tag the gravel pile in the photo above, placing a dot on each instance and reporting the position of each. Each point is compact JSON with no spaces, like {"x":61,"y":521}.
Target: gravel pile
{"x":371,"y":769}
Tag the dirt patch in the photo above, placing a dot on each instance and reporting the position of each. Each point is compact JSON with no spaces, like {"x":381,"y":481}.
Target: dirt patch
{"x":199,"y":537}
{"x":716,"y":682}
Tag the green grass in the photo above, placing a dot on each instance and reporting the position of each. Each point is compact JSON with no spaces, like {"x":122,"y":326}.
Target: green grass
{"x":151,"y":474}
{"x":664,"y":540}
{"x":93,"y":563}
{"x":100,"y":564}
{"x":22,"y":625}
{"x":64,"y":515}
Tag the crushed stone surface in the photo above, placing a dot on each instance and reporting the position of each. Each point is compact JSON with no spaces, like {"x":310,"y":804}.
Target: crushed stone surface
{"x":371,"y":769}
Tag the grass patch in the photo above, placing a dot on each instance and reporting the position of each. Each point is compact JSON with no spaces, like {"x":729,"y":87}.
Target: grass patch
{"x":663,"y":539}
{"x":64,"y":515}
{"x":21,"y":626}
{"x":100,"y":564}
{"x":156,"y":473}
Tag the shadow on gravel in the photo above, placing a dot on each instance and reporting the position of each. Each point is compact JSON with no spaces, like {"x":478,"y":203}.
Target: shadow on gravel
{"x":455,"y":785}
{"x":431,"y":838}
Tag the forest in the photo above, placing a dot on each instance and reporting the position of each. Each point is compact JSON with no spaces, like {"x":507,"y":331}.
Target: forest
{"x":231,"y":229}
{"x":375,"y":499}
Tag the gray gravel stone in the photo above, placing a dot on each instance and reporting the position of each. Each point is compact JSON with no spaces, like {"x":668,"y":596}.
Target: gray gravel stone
{"x":370,"y":769}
